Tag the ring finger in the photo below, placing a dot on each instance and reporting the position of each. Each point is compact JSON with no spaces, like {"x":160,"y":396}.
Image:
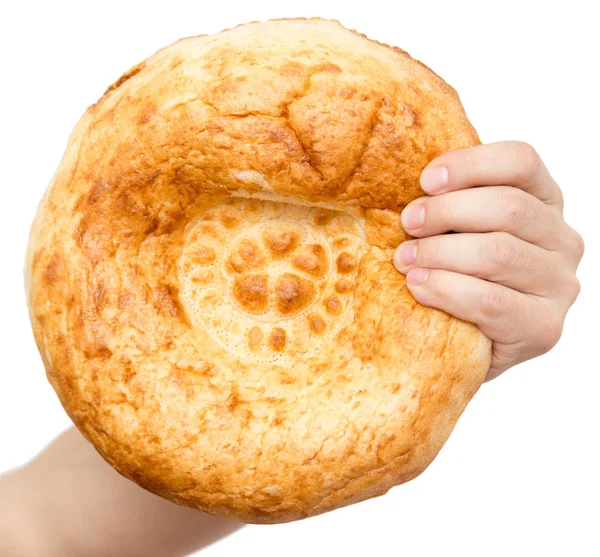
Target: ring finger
{"x":494,"y":208}
{"x":495,"y":256}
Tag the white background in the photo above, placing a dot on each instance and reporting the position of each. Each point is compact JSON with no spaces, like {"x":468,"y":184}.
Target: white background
{"x":520,"y":474}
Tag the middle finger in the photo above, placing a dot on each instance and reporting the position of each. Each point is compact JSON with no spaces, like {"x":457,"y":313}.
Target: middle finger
{"x":486,"y":209}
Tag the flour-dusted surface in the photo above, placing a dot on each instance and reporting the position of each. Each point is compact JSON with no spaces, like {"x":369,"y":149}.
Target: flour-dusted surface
{"x":210,"y":278}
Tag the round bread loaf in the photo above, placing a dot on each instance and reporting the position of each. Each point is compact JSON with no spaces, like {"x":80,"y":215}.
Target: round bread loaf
{"x":210,"y":280}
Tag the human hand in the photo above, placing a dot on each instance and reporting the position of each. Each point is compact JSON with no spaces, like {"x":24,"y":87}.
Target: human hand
{"x":511,"y":269}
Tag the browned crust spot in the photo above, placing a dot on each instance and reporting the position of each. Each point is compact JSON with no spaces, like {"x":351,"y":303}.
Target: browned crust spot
{"x":280,"y":240}
{"x":346,"y":263}
{"x":293,"y":293}
{"x":333,"y":305}
{"x":230,"y":217}
{"x":277,"y":339}
{"x":343,"y":286}
{"x":246,"y":257}
{"x":322,"y":217}
{"x":251,"y":292}
{"x":311,"y":259}
{"x":316,"y":323}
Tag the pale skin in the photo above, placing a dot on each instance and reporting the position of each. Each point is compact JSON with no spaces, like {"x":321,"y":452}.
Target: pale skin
{"x":510,"y":268}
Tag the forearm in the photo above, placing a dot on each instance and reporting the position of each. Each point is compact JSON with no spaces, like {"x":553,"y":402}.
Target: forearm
{"x":68,"y":501}
{"x":18,"y":536}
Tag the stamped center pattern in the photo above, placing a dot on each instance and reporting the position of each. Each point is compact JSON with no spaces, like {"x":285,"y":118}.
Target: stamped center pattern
{"x":270,"y":281}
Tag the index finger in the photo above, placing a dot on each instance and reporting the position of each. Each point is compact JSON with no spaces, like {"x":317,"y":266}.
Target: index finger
{"x":509,"y":163}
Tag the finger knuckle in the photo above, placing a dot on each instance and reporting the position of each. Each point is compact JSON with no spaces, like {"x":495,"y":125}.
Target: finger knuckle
{"x":501,"y":250}
{"x":527,"y":160}
{"x":515,"y":208}
{"x":579,"y":245}
{"x":549,"y":334}
{"x":492,"y":301}
{"x":572,"y":287}
{"x":560,"y":200}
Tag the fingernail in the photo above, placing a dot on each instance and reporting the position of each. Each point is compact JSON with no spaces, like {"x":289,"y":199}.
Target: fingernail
{"x":405,"y":254}
{"x":413,"y":216}
{"x":417,"y":277}
{"x":434,"y":179}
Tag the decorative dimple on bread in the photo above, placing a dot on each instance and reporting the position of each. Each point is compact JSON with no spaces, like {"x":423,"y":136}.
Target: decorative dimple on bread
{"x":210,"y":281}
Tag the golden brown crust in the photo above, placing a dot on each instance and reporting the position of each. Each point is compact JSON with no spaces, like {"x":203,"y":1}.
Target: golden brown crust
{"x":210,"y":280}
